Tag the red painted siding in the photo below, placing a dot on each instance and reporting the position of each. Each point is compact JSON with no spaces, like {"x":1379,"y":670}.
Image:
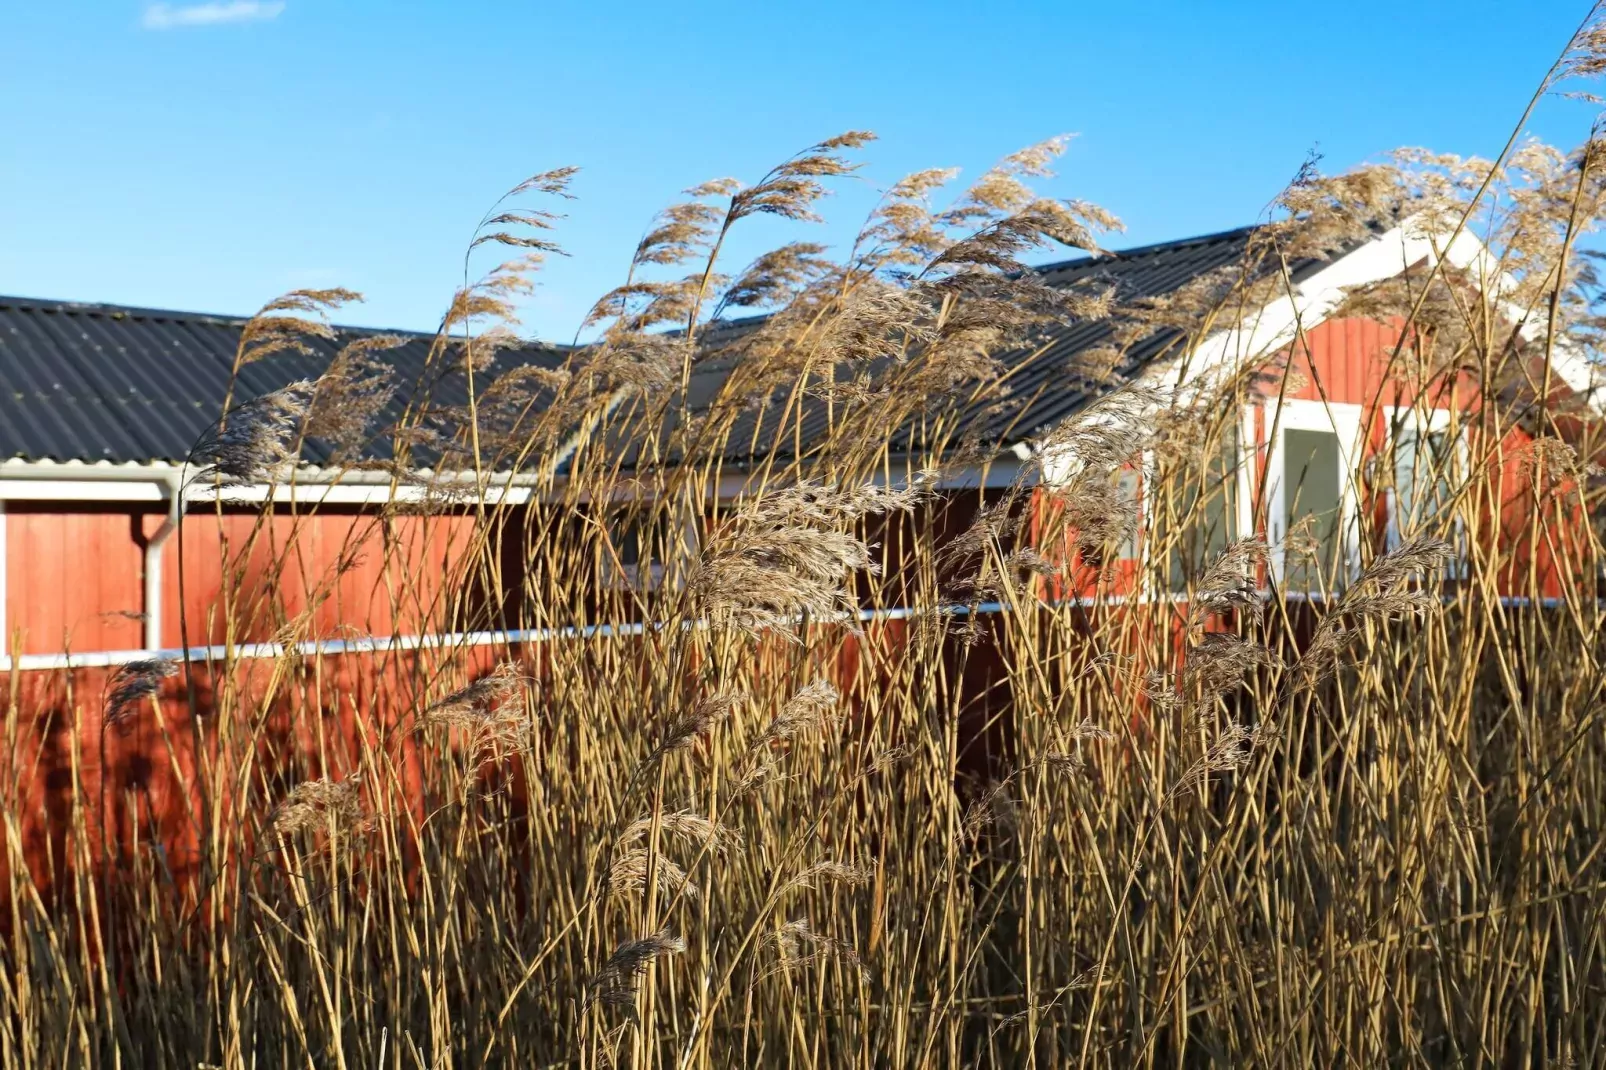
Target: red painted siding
{"x":1361,"y":362}
{"x":75,"y":577}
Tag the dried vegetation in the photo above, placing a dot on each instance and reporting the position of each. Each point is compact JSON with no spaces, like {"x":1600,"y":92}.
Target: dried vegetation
{"x":765,"y":824}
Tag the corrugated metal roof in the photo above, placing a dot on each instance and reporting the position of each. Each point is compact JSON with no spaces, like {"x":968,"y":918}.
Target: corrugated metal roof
{"x":106,"y":383}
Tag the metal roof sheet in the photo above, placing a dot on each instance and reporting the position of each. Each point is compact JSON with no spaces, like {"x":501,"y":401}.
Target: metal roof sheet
{"x":107,"y":383}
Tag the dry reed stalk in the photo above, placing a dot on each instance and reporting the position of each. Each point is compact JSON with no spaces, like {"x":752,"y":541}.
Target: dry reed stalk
{"x":1313,"y":813}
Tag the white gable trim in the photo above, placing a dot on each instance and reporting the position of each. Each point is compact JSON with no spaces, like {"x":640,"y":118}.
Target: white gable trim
{"x":1279,"y":322}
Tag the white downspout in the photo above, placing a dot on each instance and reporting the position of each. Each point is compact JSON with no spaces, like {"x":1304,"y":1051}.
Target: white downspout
{"x":153,"y":563}
{"x":5,"y":634}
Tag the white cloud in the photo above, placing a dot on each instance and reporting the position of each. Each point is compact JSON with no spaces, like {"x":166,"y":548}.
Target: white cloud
{"x":216,"y":13}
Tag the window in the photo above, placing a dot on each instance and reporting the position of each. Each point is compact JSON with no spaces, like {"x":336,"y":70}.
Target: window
{"x":1429,"y":462}
{"x":1313,"y":508}
{"x":1208,"y":512}
{"x":1126,"y":486}
{"x":643,"y":545}
{"x":1424,"y":469}
{"x":1312,"y":502}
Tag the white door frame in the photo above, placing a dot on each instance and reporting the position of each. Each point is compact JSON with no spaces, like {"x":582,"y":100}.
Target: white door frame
{"x":1342,"y":418}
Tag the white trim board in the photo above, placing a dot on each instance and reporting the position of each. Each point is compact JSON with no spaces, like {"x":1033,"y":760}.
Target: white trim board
{"x":1278,"y":323}
{"x":1342,"y":420}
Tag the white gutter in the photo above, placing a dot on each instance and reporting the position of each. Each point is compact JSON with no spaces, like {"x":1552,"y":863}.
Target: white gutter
{"x":144,"y":483}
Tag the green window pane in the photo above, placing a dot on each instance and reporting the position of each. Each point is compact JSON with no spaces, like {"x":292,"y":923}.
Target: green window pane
{"x":1208,"y":513}
{"x":1313,"y":488}
{"x":1127,"y":484}
{"x":1422,"y":479}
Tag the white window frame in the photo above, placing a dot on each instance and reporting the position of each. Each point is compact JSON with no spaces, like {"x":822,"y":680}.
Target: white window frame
{"x":1155,"y":582}
{"x":1343,"y":419}
{"x":1249,"y":453}
{"x":1424,"y":422}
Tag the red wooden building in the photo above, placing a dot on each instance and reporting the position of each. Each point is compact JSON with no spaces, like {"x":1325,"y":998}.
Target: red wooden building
{"x":103,"y":404}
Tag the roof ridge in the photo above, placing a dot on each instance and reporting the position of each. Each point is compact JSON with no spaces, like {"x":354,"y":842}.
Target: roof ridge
{"x":118,"y":311}
{"x":103,"y":308}
{"x":107,"y":310}
{"x":1140,"y":250}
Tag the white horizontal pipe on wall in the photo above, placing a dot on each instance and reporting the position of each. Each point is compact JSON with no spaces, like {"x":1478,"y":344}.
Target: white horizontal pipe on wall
{"x":515,"y":637}
{"x":373,"y":644}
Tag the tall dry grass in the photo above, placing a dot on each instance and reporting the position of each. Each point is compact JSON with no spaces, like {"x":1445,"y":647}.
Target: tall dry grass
{"x":1041,"y":818}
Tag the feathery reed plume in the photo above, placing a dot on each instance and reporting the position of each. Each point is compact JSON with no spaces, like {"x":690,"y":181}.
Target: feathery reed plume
{"x":814,"y":708}
{"x":903,"y":231}
{"x":282,"y":325}
{"x":615,"y":984}
{"x":257,"y":441}
{"x":628,"y":874}
{"x":781,"y":558}
{"x":791,"y":189}
{"x":799,"y":945}
{"x":1553,"y":464}
{"x":1586,"y":52}
{"x":1228,"y":752}
{"x":968,"y":565}
{"x":491,"y":711}
{"x":829,"y":872}
{"x":553,"y":183}
{"x":1219,"y":662}
{"x":1078,"y":460}
{"x":755,"y":581}
{"x":1378,"y":595}
{"x":811,"y":709}
{"x":691,"y":826}
{"x":876,"y":321}
{"x":351,"y":393}
{"x":775,"y":277}
{"x":1089,"y":730}
{"x":993,"y":806}
{"x":680,"y":233}
{"x":133,"y":682}
{"x":317,"y":803}
{"x":885,"y":759}
{"x":685,"y":230}
{"x":1231,"y":582}
{"x":1062,"y":762}
{"x":1160,"y":688}
{"x":1105,"y":435}
{"x":694,"y":725}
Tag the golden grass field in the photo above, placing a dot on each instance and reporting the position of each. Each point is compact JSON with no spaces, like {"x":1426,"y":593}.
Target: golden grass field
{"x":995,"y":828}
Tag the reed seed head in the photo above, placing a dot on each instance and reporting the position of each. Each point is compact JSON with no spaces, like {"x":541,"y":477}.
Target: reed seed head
{"x":132,"y":683}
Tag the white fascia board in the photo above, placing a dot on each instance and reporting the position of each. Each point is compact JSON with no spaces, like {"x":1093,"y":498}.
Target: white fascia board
{"x":1581,"y":375}
{"x":999,"y":474}
{"x":82,"y":490}
{"x":1279,"y":322}
{"x":1276,"y":324}
{"x":343,"y":494}
{"x":80,"y":481}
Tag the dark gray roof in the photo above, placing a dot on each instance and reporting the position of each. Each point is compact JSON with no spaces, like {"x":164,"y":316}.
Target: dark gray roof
{"x":1044,"y":384}
{"x":89,"y":382}
{"x":92,"y":382}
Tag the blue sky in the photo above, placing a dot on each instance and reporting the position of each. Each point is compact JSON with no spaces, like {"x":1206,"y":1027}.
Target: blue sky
{"x":210,"y":155}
